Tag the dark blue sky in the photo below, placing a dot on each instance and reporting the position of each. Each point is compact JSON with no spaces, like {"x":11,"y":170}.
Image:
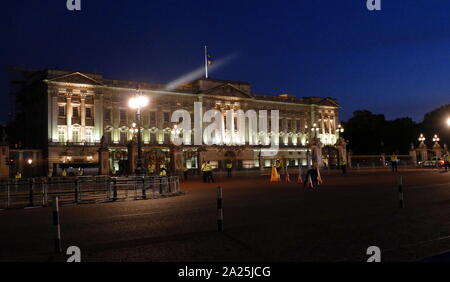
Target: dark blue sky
{"x":395,"y":61}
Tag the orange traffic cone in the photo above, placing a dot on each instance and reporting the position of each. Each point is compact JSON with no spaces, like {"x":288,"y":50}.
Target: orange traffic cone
{"x":274,"y":177}
{"x":287,"y":178}
{"x":299,"y":179}
{"x":309,"y":184}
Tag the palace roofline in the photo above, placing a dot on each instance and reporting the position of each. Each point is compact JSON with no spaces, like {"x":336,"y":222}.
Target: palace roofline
{"x":199,"y":86}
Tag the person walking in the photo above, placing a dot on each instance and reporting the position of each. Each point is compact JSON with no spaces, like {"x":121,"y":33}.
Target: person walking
{"x":162,"y":170}
{"x":151,"y":169}
{"x":344,"y":167}
{"x":394,"y":160}
{"x":209,"y":173}
{"x":204,"y":173}
{"x":313,"y":178}
{"x":229,"y":168}
{"x":185,"y":172}
{"x":447,"y":162}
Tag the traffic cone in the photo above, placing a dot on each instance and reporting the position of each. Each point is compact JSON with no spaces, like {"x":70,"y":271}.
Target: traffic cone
{"x":274,"y":177}
{"x":310,"y":184}
{"x":287,"y":178}
{"x":299,"y":179}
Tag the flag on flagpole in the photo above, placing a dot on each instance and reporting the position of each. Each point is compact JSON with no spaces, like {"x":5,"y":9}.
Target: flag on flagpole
{"x":208,"y":61}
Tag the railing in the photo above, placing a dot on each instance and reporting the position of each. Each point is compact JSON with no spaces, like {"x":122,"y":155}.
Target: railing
{"x":35,"y":192}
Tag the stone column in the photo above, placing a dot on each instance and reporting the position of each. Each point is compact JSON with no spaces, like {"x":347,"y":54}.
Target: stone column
{"x":69,"y":117}
{"x":83,"y":117}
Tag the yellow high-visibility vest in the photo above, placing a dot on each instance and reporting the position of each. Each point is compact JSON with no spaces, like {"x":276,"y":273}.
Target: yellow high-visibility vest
{"x":229,"y":165}
{"x":64,"y":172}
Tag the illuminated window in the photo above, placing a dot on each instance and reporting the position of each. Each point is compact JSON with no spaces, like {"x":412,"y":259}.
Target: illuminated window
{"x":61,"y":135}
{"x":76,"y":135}
{"x":88,"y":135}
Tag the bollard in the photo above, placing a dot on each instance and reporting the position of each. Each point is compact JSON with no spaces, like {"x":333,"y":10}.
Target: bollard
{"x":31,"y":193}
{"x":57,"y":225}
{"x":219,"y":209}
{"x":144,"y":193}
{"x":115,"y":189}
{"x":8,"y":196}
{"x":400,"y":191}
{"x":77,"y":190}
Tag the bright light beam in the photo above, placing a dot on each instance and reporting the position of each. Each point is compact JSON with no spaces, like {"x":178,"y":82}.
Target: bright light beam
{"x":199,"y":72}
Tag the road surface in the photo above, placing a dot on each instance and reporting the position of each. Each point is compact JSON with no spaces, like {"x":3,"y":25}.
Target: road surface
{"x":263,"y":222}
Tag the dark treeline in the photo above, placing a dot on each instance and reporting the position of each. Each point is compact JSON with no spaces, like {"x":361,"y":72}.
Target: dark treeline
{"x":370,"y":133}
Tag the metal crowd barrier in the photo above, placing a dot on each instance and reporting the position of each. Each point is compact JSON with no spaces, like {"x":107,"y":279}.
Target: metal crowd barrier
{"x":35,"y":192}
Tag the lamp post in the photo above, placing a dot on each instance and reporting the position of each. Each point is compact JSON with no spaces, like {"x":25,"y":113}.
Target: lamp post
{"x":137,"y":103}
{"x":436,"y":139}
{"x":339,"y":130}
{"x":422,"y":139}
{"x":315,"y":129}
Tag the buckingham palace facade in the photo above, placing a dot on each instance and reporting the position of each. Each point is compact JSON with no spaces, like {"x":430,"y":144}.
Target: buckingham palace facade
{"x":70,"y":115}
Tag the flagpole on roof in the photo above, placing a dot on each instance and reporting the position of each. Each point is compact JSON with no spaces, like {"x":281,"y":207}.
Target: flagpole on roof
{"x":206,"y":61}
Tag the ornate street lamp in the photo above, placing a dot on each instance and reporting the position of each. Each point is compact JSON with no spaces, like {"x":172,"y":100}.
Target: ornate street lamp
{"x":136,"y":103}
{"x":339,"y":130}
{"x":436,"y":139}
{"x":315,"y":129}
{"x":421,"y":138}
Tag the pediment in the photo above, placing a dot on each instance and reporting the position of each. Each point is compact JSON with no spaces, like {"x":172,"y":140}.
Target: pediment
{"x":228,"y":89}
{"x":328,"y":102}
{"x":76,"y":78}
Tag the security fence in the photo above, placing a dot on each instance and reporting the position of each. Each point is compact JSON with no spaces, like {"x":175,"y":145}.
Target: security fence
{"x":35,"y":192}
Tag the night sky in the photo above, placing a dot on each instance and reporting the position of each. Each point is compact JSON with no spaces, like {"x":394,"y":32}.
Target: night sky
{"x":395,"y":61}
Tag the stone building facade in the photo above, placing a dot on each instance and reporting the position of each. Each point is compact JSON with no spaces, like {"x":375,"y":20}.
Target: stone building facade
{"x":82,"y":109}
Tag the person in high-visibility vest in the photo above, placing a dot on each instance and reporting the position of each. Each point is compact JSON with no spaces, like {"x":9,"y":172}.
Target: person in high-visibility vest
{"x":80,"y":172}
{"x":229,"y":168}
{"x":209,"y":172}
{"x":151,"y":169}
{"x":278,"y":165}
{"x":185,"y":172}
{"x":18,"y":175}
{"x":204,"y":173}
{"x":344,"y":166}
{"x":64,"y":173}
{"x":50,"y":173}
{"x":447,"y":162}
{"x":162,"y":170}
{"x":394,"y":160}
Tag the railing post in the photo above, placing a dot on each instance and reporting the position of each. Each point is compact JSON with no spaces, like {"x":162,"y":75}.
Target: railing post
{"x":219,"y":209}
{"x":114,"y":189}
{"x":57,"y":225}
{"x":8,"y":195}
{"x":144,"y":194}
{"x":77,"y":190}
{"x":31,"y":192}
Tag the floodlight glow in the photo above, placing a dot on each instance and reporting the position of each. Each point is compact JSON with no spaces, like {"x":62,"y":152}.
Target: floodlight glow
{"x":138,"y":102}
